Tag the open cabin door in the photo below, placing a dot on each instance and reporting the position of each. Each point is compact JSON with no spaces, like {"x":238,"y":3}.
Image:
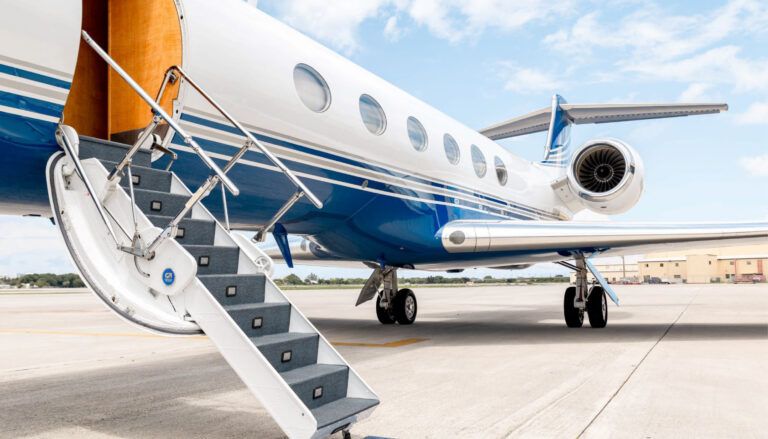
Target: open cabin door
{"x":145,"y":38}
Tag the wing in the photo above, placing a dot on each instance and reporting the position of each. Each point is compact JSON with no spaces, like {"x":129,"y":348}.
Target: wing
{"x":553,"y":241}
{"x":539,"y":120}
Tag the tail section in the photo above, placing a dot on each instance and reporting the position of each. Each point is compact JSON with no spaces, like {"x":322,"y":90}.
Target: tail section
{"x":558,"y":118}
{"x":557,"y":151}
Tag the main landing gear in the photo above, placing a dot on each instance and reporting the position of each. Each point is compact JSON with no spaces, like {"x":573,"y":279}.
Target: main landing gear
{"x":401,"y":308}
{"x":583,"y":298}
{"x":392,"y":305}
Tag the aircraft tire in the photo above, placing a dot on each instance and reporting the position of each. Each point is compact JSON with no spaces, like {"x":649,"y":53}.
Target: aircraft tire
{"x":384,"y":315}
{"x":405,"y":307}
{"x":597,"y":308}
{"x":574,"y":317}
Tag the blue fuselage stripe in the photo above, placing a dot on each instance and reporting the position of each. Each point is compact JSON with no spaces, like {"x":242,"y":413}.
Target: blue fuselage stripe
{"x":220,"y":148}
{"x":30,"y":104}
{"x":26,"y":74}
{"x":300,"y":148}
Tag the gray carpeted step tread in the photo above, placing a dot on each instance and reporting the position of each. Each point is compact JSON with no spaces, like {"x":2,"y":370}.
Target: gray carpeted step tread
{"x":318,"y":384}
{"x":259,"y":319}
{"x":160,"y":203}
{"x":302,"y":347}
{"x":191,"y":231}
{"x":144,"y":178}
{"x":112,"y":151}
{"x":233,"y":289}
{"x":215,"y":259}
{"x":337,"y":410}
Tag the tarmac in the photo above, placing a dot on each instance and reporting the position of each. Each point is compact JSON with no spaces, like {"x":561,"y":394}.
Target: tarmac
{"x":682,"y":361}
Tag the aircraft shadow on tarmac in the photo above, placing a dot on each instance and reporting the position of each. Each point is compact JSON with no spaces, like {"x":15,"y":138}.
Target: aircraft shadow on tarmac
{"x":531,"y":327}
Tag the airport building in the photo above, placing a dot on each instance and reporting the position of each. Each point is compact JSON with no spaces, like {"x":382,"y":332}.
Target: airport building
{"x":730,"y":264}
{"x":747,"y":264}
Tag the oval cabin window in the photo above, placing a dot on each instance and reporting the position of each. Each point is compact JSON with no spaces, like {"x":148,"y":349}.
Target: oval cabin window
{"x":311,"y":88}
{"x":451,"y":149}
{"x":417,"y":134}
{"x":478,"y":161}
{"x":501,"y":171}
{"x":373,"y":115}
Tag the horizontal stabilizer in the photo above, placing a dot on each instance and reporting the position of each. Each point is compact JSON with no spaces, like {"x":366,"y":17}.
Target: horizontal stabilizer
{"x":596,"y":113}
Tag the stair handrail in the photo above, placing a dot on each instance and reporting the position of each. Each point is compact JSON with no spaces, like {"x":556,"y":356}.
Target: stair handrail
{"x":251,"y":139}
{"x":158,"y":111}
{"x":67,"y":137}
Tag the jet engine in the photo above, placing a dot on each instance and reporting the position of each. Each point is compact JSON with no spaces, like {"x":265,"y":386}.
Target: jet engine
{"x":604,"y":176}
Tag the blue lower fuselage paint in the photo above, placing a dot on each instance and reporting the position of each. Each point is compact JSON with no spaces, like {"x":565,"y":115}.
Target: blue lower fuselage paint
{"x":397,"y":223}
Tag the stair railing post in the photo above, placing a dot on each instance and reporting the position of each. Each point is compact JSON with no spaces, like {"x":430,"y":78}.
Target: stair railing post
{"x":63,"y":134}
{"x":226,"y":210}
{"x":261,"y":235}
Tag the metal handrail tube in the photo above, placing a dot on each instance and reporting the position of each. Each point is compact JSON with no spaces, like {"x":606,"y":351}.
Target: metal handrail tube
{"x":262,"y":233}
{"x":172,"y":227}
{"x":251,"y":141}
{"x":71,"y":152}
{"x":118,"y":169}
{"x":158,"y":110}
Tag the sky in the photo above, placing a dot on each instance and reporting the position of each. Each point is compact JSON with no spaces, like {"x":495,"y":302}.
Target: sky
{"x":483,"y":61}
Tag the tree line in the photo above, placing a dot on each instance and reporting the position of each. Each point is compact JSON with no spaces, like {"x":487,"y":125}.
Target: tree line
{"x":313,"y":279}
{"x":44,"y":280}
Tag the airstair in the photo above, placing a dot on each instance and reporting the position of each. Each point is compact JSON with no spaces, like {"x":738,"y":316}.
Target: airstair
{"x":155,"y":255}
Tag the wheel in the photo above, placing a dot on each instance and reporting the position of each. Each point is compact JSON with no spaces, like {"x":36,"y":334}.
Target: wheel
{"x":574,"y":317}
{"x":597,"y":307}
{"x":384,"y":314}
{"x":405,"y":307}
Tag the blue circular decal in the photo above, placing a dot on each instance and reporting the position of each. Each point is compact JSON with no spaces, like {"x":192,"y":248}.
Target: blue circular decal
{"x":169,"y":276}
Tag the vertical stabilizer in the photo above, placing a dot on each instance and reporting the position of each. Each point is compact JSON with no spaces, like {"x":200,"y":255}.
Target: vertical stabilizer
{"x":557,"y":152}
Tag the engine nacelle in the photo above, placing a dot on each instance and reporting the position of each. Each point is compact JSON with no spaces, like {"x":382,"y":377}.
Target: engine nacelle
{"x":604,"y":176}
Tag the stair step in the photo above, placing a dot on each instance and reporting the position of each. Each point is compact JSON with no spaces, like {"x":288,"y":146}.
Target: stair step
{"x":191,"y":231}
{"x":337,"y":410}
{"x":235,"y":289}
{"x":318,"y":384}
{"x":259,"y":319}
{"x":160,"y":203}
{"x":112,"y":151}
{"x":144,"y":178}
{"x":215,"y":259}
{"x":289,"y":350}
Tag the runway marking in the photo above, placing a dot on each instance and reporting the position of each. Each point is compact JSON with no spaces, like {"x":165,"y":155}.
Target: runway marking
{"x":92,"y":334}
{"x":391,"y":344}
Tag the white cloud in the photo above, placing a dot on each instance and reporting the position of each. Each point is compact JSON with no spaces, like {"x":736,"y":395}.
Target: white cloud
{"x":757,"y":166}
{"x":655,"y":44}
{"x":526,"y":80}
{"x":696,"y":92}
{"x":757,"y":113}
{"x":392,"y":30}
{"x":333,"y":22}
{"x":337,"y":22}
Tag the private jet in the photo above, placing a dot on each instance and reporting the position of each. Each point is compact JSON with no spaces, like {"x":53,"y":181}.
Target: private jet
{"x":150,"y":130}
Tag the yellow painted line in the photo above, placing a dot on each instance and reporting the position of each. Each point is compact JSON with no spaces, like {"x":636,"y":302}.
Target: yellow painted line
{"x":391,"y":344}
{"x":90,"y":334}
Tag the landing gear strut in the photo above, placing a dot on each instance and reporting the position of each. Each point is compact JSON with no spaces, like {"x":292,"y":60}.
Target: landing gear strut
{"x":583,"y":298}
{"x":393,"y":305}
